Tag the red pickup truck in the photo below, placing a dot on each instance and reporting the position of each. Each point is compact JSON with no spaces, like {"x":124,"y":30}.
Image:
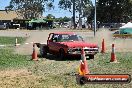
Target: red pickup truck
{"x":67,"y":43}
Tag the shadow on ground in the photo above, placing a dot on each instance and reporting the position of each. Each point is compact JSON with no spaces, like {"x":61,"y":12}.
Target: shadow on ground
{"x":56,"y":58}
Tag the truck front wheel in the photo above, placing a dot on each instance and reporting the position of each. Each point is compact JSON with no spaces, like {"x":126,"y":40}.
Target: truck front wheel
{"x":91,"y":56}
{"x":82,"y":81}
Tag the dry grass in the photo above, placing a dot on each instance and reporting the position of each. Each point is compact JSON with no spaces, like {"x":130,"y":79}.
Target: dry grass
{"x":18,"y":79}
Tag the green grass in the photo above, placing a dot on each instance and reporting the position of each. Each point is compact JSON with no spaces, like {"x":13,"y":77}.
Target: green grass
{"x":49,"y":73}
{"x":61,"y":73}
{"x":11,"y":40}
{"x":53,"y":74}
{"x":7,"y":57}
{"x":9,"y":60}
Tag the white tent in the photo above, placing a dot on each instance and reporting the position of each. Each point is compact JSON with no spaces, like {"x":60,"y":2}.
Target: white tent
{"x":128,"y":25}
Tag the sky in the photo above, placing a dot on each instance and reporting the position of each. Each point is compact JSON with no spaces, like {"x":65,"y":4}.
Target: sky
{"x":57,"y":12}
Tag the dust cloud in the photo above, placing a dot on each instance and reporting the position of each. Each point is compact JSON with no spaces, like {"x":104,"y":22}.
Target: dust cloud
{"x":121,"y":44}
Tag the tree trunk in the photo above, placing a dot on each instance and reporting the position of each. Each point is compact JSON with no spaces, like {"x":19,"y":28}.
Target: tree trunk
{"x":74,"y":24}
{"x":80,"y":14}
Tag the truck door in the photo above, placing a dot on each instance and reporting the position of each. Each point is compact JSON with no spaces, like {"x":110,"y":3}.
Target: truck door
{"x":52,"y":43}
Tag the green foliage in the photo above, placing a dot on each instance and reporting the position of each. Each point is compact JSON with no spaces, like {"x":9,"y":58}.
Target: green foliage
{"x":85,"y":6}
{"x":50,"y":16}
{"x":11,"y":40}
{"x":65,"y":4}
{"x":29,"y":9}
{"x":64,"y":19}
{"x":113,"y":10}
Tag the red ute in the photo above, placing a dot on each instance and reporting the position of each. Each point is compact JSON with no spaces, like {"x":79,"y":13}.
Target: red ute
{"x":67,"y":43}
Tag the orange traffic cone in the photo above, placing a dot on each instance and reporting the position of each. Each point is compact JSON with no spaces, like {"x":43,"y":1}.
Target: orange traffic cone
{"x":103,"y":46}
{"x":113,"y":56}
{"x":34,"y":54}
{"x":83,"y":70}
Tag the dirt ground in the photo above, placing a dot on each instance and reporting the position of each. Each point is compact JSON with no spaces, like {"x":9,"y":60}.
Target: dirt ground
{"x":121,"y":45}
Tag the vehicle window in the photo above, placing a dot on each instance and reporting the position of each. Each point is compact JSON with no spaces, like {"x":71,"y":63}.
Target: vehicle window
{"x":80,"y":38}
{"x":1,"y":23}
{"x":65,"y":37}
{"x":55,"y":38}
{"x":73,"y":37}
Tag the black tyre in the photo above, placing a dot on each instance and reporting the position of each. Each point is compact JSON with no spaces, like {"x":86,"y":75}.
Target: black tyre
{"x":91,"y":56}
{"x":82,"y":80}
{"x":44,"y":52}
{"x":61,"y":54}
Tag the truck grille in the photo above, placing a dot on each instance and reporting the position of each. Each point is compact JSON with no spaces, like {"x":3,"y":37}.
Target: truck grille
{"x":86,"y":50}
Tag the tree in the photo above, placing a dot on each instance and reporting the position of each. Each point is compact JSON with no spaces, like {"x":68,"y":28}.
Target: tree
{"x":50,"y":16}
{"x":113,"y":10}
{"x":85,"y":5}
{"x":82,"y":6}
{"x":66,"y":19}
{"x":62,"y":20}
{"x":29,"y":9}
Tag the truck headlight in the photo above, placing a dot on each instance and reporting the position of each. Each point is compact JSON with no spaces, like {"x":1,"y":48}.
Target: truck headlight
{"x":74,"y":50}
{"x":71,"y":50}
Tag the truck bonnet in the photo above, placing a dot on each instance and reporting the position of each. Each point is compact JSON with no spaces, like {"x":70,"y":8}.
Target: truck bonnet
{"x":79,"y":44}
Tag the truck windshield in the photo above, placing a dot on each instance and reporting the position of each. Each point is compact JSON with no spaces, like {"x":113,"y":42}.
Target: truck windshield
{"x":66,"y":37}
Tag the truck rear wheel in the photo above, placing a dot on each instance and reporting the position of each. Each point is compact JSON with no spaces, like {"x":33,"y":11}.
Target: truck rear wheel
{"x":61,"y":54}
{"x":44,"y":51}
{"x":91,"y":56}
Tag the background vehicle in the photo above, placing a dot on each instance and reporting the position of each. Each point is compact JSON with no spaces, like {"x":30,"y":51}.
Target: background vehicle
{"x":2,"y":25}
{"x":64,"y":44}
{"x":124,"y":31}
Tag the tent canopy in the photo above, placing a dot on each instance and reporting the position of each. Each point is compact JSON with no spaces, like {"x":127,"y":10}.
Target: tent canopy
{"x":126,"y":29}
{"x":38,"y":21}
{"x":128,"y":25}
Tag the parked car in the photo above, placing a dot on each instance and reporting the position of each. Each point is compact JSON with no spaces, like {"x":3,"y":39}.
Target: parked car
{"x":2,"y":25}
{"x":117,"y":32}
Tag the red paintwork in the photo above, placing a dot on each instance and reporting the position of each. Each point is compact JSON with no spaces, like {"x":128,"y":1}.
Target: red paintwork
{"x":54,"y":47}
{"x":78,"y":44}
{"x":63,"y":33}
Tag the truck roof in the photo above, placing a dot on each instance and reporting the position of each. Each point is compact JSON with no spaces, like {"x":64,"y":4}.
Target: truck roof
{"x":64,"y":33}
